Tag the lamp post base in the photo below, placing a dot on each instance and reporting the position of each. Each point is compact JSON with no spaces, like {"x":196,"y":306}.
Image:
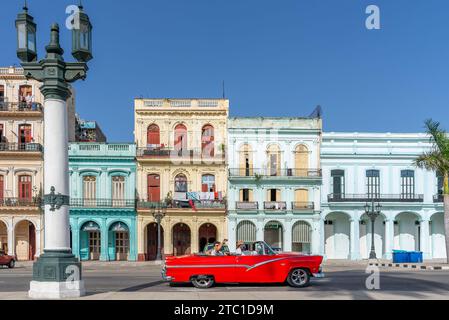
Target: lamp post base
{"x":56,"y":275}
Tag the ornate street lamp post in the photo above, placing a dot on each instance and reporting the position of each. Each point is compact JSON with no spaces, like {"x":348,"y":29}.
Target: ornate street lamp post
{"x":373,"y":212}
{"x":57,"y":272}
{"x":159,"y":212}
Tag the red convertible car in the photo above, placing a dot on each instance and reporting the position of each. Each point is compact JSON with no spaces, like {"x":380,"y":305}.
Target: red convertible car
{"x":261,"y":265}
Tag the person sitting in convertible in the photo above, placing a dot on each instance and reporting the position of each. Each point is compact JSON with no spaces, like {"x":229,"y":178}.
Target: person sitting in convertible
{"x":216,"y":251}
{"x":224,"y":248}
{"x":240,"y":248}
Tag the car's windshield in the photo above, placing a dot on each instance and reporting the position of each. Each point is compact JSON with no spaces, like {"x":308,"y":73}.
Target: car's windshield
{"x":262,"y":248}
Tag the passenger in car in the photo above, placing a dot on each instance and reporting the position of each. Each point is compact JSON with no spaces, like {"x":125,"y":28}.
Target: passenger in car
{"x":224,"y":247}
{"x":216,"y":251}
{"x":240,"y":248}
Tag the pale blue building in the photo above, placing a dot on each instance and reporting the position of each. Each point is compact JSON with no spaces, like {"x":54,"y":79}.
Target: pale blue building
{"x":102,"y":212}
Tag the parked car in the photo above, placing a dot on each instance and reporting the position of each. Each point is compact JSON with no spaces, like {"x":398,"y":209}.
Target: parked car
{"x":260,"y":264}
{"x":6,"y":260}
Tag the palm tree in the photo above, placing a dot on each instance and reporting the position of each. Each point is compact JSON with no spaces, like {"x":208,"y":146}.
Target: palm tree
{"x":437,"y":159}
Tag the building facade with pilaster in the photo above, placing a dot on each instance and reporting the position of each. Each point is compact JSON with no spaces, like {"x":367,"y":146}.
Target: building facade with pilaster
{"x":359,"y":168}
{"x":181,"y":163}
{"x":102,"y":209}
{"x":275,"y":182}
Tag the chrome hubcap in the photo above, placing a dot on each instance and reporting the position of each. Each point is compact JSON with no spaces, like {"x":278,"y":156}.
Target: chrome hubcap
{"x":299,"y":277}
{"x":203,"y":282}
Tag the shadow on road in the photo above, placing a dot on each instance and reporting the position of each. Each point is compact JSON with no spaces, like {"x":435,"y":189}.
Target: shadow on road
{"x":142,"y":286}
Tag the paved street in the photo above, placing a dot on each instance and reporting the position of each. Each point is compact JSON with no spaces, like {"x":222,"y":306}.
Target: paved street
{"x":142,"y":281}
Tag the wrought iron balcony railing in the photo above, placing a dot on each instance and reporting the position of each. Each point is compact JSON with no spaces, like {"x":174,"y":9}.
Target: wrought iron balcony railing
{"x":254,"y":172}
{"x":102,"y":203}
{"x":20,"y":106}
{"x":247,"y":205}
{"x":275,"y":205}
{"x":375,"y":197}
{"x":20,"y":202}
{"x":21,"y":147}
{"x":303,"y":206}
{"x":438,"y":198}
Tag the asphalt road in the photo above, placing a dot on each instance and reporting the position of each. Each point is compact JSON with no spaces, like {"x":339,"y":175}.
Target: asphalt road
{"x":143,"y":281}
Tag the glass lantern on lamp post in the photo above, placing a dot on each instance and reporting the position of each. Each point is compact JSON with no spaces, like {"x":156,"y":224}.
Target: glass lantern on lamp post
{"x":26,"y":36}
{"x":159,"y":211}
{"x":373,"y":211}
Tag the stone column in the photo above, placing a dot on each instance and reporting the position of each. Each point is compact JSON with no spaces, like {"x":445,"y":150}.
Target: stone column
{"x":322,"y":244}
{"x":11,"y":240}
{"x":425,"y":237}
{"x":287,"y":245}
{"x":355,"y":239}
{"x":389,"y":238}
{"x":232,"y":225}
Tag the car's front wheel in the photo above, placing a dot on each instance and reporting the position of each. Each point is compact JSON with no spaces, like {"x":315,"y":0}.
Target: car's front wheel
{"x":203,"y":282}
{"x":299,"y":278}
{"x":11,"y":264}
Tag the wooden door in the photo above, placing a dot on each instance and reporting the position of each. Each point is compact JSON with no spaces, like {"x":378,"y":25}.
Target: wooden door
{"x":152,"y":241}
{"x":25,"y":134}
{"x":153,"y":136}
{"x":181,"y":240}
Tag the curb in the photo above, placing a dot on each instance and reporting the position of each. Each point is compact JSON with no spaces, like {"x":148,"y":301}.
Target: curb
{"x":409,"y":266}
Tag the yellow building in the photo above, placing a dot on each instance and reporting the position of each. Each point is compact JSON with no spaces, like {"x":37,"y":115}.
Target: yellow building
{"x":21,"y":163}
{"x":181,"y":162}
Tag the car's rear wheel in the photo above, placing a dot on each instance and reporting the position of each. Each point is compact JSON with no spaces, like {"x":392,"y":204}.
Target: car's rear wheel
{"x":299,"y":278}
{"x":11,"y":264}
{"x":203,"y":282}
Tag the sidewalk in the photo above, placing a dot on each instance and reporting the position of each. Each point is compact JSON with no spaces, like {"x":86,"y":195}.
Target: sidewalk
{"x":433,"y":265}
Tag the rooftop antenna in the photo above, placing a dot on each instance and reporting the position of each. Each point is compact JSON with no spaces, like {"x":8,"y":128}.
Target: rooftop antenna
{"x":317,"y":112}
{"x":224,"y":92}
{"x":25,"y":6}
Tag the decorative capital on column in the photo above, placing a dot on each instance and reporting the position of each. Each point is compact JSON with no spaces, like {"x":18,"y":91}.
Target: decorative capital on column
{"x":56,"y":201}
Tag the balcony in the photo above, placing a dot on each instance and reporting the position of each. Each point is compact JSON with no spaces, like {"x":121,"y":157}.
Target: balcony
{"x":21,"y":147}
{"x":438,"y":198}
{"x":247,"y":205}
{"x":375,"y":198}
{"x":275,"y":206}
{"x":268,"y":173}
{"x":165,"y":153}
{"x":102,"y":203}
{"x":303,"y":206}
{"x":34,"y":203}
{"x":20,"y":107}
{"x":176,"y":204}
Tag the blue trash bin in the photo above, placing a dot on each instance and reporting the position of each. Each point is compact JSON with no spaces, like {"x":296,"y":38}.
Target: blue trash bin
{"x":401,"y":256}
{"x":416,"y":257}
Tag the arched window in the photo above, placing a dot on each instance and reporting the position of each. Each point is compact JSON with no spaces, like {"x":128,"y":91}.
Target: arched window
{"x":208,"y":183}
{"x":301,"y":161}
{"x":181,"y":183}
{"x":246,"y":161}
{"x":274,"y":160}
{"x":246,"y":232}
{"x":180,"y":138}
{"x":25,"y":189}
{"x":153,"y":137}
{"x":207,"y":141}
{"x":154,"y":188}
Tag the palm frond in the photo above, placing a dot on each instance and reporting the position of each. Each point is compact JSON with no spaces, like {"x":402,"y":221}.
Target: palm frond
{"x":433,"y":161}
{"x":438,"y":137}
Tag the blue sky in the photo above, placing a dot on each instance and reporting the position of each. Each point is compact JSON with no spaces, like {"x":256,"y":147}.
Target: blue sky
{"x":277,"y":58}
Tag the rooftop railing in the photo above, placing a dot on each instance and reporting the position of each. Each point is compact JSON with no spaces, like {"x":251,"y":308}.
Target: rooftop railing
{"x":184,"y":103}
{"x":376,"y":198}
{"x":102,"y":149}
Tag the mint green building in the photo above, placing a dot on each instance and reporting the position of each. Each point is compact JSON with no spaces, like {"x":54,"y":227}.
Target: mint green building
{"x":102,"y":208}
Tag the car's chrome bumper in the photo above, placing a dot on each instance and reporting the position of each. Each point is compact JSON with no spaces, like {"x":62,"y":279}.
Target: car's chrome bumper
{"x":319,"y":275}
{"x":164,"y":274}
